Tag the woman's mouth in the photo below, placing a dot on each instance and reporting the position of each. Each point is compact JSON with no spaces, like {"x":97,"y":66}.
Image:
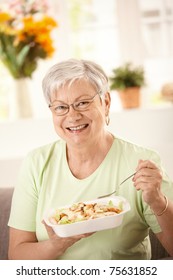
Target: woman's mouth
{"x":77,"y":128}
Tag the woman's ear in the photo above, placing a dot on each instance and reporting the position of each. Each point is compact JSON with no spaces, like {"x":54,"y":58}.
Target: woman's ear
{"x":107,"y":99}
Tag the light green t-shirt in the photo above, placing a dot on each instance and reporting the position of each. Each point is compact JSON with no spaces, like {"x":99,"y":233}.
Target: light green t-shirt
{"x":45,"y":181}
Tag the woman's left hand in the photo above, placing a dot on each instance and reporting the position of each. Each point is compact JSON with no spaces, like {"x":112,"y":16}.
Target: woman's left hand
{"x":148,"y":179}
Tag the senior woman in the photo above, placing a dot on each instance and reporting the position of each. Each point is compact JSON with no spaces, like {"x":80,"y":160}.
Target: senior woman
{"x":87,"y":161}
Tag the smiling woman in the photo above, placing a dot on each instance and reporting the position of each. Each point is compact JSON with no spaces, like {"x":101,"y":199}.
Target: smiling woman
{"x":86,"y":111}
{"x":85,"y":163}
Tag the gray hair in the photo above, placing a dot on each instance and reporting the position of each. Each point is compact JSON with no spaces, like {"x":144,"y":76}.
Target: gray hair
{"x":71,"y":70}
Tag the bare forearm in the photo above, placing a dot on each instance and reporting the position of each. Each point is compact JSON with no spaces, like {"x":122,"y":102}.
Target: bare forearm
{"x":44,"y":250}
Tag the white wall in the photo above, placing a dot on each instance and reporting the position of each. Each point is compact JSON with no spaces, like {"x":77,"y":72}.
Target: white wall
{"x":16,"y":140}
{"x":151,"y":128}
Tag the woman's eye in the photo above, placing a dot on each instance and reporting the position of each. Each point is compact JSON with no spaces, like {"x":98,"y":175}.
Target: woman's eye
{"x":60,"y":108}
{"x":82,"y":103}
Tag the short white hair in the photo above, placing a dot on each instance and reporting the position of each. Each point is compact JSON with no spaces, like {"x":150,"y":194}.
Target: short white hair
{"x":71,"y":70}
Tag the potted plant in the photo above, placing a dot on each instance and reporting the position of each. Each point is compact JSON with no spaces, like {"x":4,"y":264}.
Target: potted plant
{"x":128,"y":80}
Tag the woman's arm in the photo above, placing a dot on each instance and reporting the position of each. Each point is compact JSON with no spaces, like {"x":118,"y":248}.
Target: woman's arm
{"x":23,"y":245}
{"x":148,"y":179}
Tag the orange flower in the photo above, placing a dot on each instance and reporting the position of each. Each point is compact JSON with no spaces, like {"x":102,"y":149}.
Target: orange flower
{"x":25,"y":38}
{"x":4,"y":17}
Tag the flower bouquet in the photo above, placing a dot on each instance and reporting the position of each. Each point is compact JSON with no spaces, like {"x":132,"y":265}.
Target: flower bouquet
{"x":25,"y":35}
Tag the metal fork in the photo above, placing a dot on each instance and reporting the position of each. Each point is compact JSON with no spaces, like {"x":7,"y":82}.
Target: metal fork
{"x":118,"y":186}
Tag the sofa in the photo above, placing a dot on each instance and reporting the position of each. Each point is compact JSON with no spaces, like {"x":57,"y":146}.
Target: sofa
{"x":158,"y":252}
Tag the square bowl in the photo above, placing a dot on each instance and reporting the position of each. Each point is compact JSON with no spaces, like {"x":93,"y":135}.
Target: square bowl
{"x":90,"y":225}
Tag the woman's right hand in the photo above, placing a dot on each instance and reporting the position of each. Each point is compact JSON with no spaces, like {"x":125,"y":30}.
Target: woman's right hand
{"x":63,"y":243}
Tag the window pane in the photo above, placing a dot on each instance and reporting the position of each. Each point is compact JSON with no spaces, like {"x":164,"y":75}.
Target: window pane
{"x":157,"y":26}
{"x":157,"y":32}
{"x":93,"y":32}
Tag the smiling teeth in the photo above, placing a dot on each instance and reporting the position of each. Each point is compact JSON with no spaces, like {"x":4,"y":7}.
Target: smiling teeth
{"x":77,"y":127}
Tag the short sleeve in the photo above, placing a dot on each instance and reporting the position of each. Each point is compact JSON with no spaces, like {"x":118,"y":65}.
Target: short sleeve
{"x":24,"y":201}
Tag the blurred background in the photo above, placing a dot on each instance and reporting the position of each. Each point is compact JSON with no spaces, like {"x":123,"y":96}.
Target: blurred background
{"x":111,"y":33}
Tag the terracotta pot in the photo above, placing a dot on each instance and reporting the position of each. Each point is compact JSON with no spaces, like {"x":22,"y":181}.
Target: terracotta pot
{"x":130,"y":98}
{"x":167,"y":92}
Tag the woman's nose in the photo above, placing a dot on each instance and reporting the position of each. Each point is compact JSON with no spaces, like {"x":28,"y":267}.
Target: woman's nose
{"x":73,"y":114}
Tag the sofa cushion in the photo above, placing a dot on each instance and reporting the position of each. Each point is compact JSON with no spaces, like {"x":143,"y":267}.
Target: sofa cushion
{"x":5,"y":205}
{"x":158,"y":251}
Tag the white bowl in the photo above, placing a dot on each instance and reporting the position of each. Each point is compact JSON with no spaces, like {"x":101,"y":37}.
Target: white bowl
{"x":92,"y":225}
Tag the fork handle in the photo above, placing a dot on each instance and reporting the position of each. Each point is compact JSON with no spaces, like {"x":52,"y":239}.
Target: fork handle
{"x":127,"y":178}
{"x":103,"y":196}
{"x":118,"y":186}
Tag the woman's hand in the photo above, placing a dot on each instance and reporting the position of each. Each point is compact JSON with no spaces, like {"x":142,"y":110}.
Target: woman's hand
{"x":63,"y":243}
{"x":148,"y":179}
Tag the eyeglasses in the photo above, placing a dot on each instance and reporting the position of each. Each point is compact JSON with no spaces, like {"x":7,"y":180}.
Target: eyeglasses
{"x":61,"y":109}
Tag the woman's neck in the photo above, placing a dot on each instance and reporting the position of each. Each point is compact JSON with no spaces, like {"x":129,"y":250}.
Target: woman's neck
{"x":83,"y":161}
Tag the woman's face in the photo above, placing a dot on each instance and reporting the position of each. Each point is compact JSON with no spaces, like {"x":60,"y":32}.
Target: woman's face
{"x":83,"y":127}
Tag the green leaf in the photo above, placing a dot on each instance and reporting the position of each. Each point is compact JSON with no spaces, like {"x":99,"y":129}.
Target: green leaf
{"x":127,"y":76}
{"x":110,"y":204}
{"x":22,"y":55}
{"x":120,"y":205}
